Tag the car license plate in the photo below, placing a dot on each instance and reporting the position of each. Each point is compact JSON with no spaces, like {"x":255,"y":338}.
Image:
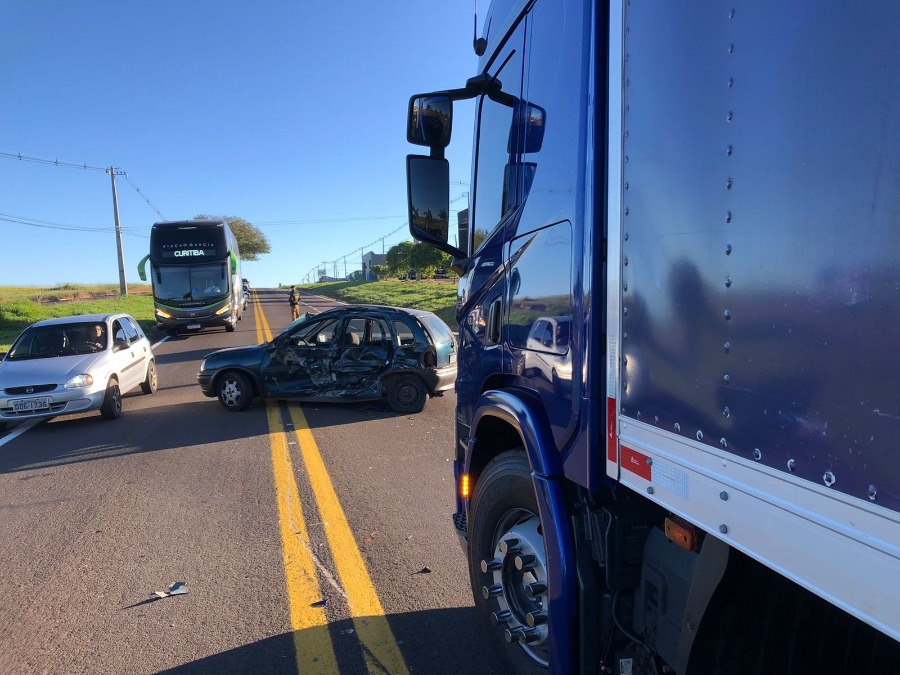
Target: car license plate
{"x":30,"y":404}
{"x":193,"y":326}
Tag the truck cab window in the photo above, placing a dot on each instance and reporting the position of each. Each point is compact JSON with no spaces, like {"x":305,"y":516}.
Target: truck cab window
{"x":495,"y":192}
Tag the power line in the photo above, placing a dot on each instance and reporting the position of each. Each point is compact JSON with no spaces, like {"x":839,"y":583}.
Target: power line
{"x":55,"y":162}
{"x":138,"y":190}
{"x":84,"y":166}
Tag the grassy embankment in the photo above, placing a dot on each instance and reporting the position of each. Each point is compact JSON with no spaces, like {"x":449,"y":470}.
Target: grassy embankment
{"x":20,"y":306}
{"x":435,"y":296}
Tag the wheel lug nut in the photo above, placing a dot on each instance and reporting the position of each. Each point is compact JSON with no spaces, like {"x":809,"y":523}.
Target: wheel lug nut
{"x":510,"y":545}
{"x":489,"y":565}
{"x":513,"y":634}
{"x":488,"y":592}
{"x":535,"y":618}
{"x":534,"y":590}
{"x":526,"y":635}
{"x":524,"y":562}
{"x":500,"y":617}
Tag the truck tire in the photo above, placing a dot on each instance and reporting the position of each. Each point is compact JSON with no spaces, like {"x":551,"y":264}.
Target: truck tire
{"x":508,"y":563}
{"x":235,"y":391}
{"x":111,"y":408}
{"x":406,"y":394}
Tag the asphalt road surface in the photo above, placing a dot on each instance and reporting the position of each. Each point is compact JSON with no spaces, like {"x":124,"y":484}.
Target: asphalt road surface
{"x":311,"y":539}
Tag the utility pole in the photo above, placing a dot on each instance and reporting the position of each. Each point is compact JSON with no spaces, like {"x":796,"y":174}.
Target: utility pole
{"x":345,"y":267}
{"x":123,"y":286}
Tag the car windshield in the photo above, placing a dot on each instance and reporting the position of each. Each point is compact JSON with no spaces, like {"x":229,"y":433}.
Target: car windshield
{"x":293,"y":324}
{"x":41,"y":342}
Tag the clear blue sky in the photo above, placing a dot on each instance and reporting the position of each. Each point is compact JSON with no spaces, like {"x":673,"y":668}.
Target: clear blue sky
{"x":273,"y":112}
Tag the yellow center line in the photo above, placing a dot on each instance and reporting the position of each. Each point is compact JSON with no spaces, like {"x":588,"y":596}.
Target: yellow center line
{"x":313,"y":648}
{"x":379,"y":644}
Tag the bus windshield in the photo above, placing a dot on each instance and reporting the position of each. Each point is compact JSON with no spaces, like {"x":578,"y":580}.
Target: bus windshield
{"x":177,"y":283}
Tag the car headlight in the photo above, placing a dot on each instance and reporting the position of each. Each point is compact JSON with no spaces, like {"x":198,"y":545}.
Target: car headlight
{"x":163,"y":314}
{"x":203,"y":365}
{"x":79,"y":381}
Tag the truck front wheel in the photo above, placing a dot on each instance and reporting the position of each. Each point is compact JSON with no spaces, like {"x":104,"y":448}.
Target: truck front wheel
{"x":508,"y":563}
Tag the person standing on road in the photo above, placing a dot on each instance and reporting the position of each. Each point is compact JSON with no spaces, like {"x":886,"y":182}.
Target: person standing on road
{"x":294,"y":299}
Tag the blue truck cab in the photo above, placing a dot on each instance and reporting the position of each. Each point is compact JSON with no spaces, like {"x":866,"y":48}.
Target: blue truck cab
{"x":677,"y":408}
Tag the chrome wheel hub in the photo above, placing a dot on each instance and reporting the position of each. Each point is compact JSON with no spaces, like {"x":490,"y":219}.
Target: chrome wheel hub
{"x":516,"y":578}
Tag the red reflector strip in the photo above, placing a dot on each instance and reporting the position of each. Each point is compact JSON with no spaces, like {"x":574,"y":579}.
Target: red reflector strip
{"x":636,"y":463}
{"x":612,"y":442}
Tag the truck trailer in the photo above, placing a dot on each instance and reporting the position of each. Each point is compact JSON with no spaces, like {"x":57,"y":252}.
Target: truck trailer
{"x":678,"y":394}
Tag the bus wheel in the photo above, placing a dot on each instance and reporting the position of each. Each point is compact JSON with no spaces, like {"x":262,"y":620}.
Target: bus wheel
{"x":172,"y":332}
{"x":235,"y":392}
{"x":112,"y":402}
{"x":229,"y":327}
{"x":508,"y":564}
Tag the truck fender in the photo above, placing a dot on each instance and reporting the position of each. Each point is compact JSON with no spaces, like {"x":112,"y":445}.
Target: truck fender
{"x":547,"y":476}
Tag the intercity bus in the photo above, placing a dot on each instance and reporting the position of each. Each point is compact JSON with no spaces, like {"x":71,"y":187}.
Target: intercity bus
{"x":195,"y":271}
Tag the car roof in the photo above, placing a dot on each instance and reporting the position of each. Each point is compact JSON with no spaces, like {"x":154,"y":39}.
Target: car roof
{"x":78,"y":318}
{"x":424,"y":315}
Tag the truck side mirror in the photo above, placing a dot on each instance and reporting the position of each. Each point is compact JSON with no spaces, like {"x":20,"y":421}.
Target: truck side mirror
{"x":428,"y":192}
{"x":430,"y":120}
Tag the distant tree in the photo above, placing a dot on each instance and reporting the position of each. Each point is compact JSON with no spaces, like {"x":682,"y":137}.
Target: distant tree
{"x":407,"y":256}
{"x":251,"y":241}
{"x":380,"y":271}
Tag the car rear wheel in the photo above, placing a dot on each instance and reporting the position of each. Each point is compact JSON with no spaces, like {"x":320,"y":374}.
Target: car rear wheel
{"x":148,"y":386}
{"x":235,"y":392}
{"x":407,"y":394}
{"x":112,"y":402}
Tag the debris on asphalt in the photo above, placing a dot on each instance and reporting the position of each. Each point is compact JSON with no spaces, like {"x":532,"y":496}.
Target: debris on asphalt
{"x":320,"y":603}
{"x":424,"y":570}
{"x":176,"y":588}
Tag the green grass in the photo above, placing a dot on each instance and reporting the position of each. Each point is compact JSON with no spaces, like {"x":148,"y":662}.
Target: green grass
{"x":21,"y":306}
{"x":435,"y":296}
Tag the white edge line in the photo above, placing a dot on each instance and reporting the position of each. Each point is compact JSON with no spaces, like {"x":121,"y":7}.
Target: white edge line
{"x":21,"y":429}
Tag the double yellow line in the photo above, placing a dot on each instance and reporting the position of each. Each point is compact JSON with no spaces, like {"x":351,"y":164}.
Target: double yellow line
{"x":312,"y":639}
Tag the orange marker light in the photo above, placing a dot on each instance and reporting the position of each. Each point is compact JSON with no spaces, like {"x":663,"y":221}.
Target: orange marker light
{"x":681,"y":533}
{"x":464,"y":486}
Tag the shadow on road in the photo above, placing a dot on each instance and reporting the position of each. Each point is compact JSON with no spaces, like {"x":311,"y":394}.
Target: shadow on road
{"x":436,"y":642}
{"x":70,"y":439}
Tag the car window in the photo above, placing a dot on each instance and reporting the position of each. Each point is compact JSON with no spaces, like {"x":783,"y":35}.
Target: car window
{"x":405,"y":335}
{"x":317,"y":332}
{"x":436,"y":329}
{"x":130,"y":331}
{"x":136,"y":327}
{"x":379,"y":334}
{"x":118,"y":332}
{"x":354,"y":332}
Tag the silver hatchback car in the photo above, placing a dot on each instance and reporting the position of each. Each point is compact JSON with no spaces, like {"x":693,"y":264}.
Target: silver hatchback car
{"x":75,"y":364}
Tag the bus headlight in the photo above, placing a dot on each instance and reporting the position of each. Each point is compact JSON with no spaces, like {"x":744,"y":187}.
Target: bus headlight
{"x":163,"y":314}
{"x":79,"y":381}
{"x":224,"y":310}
